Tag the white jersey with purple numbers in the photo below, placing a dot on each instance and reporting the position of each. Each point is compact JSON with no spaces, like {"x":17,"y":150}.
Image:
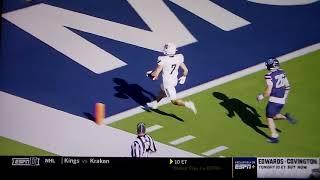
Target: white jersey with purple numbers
{"x":170,"y":66}
{"x":279,"y":84}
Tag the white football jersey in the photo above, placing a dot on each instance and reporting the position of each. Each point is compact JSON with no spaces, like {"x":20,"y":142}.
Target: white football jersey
{"x":170,"y":65}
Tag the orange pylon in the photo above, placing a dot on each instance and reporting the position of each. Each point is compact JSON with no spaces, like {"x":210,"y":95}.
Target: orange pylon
{"x":99,"y":113}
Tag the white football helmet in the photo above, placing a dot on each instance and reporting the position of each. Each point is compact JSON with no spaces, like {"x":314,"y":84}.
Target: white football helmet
{"x":169,"y":49}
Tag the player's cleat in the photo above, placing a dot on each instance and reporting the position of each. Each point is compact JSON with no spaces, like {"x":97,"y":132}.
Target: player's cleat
{"x":191,"y":106}
{"x":152,"y":105}
{"x":290,"y":118}
{"x":273,"y":140}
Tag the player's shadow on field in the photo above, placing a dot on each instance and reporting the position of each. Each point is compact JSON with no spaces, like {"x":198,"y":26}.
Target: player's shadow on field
{"x":132,"y":91}
{"x":247,"y":113}
{"x":165,"y":114}
{"x":138,"y":94}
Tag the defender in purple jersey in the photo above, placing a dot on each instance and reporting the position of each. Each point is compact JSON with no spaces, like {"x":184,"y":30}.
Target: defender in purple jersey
{"x":277,"y":89}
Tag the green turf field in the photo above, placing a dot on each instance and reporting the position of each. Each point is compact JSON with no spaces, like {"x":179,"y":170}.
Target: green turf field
{"x":244,"y":133}
{"x":10,"y":147}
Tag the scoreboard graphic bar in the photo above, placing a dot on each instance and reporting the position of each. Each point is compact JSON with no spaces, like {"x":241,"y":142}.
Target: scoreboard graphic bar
{"x":236,"y":167}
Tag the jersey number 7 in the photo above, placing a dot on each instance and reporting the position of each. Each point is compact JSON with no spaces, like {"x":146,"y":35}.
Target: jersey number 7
{"x":173,"y":68}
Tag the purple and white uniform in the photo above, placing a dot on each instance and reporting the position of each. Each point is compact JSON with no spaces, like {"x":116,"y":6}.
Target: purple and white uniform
{"x":278,"y":82}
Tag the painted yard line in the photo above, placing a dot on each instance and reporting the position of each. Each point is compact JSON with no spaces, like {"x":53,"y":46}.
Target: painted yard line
{"x":63,"y":134}
{"x":215,"y":150}
{"x":216,"y":82}
{"x":182,"y":140}
{"x":153,"y":128}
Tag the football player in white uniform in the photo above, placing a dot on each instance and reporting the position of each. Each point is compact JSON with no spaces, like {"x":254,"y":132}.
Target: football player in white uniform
{"x":169,"y":65}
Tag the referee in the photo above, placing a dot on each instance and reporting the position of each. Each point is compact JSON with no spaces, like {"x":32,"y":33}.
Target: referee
{"x":143,"y":144}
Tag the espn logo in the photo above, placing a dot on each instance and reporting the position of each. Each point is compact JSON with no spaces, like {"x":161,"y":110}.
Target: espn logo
{"x":245,"y":164}
{"x":32,"y":161}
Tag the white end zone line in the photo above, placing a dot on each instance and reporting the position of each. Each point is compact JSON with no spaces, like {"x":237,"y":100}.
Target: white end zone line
{"x":66,"y":134}
{"x":217,"y":82}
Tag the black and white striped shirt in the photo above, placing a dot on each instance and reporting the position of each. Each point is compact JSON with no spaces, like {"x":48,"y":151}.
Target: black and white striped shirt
{"x":142,"y":146}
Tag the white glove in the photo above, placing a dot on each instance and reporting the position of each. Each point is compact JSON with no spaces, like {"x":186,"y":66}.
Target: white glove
{"x":260,"y":97}
{"x":182,"y":79}
{"x":148,"y":73}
